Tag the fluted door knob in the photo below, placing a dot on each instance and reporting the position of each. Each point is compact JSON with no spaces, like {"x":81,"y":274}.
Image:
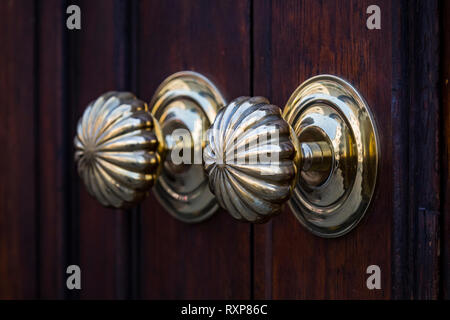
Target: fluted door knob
{"x":124,"y":147}
{"x":323,"y":150}
{"x":251,"y":158}
{"x":117,"y":149}
{"x":320,"y":154}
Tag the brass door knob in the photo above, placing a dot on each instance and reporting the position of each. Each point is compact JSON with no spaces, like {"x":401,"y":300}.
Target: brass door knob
{"x":124,"y":147}
{"x":117,"y":149}
{"x":252,"y":159}
{"x":321,"y":152}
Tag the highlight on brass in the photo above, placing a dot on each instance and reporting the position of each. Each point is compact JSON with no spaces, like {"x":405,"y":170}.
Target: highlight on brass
{"x":117,"y":151}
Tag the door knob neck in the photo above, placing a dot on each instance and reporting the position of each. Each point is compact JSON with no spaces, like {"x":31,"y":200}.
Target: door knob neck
{"x":316,"y":156}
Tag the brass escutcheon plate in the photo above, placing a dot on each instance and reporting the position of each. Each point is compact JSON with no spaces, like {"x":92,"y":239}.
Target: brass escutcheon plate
{"x":187,"y":101}
{"x":326,"y":108}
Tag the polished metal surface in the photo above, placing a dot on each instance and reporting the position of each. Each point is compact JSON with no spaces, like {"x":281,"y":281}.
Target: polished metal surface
{"x":189,"y":102}
{"x":330,"y":199}
{"x":323,"y":151}
{"x":251,"y":159}
{"x":117,"y":149}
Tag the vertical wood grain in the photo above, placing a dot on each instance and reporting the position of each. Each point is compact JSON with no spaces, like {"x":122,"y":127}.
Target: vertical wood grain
{"x":295,"y":40}
{"x":401,"y":266}
{"x":209,"y":260}
{"x":423,"y":147}
{"x":18,"y":192}
{"x":52,"y":149}
{"x":445,"y":153}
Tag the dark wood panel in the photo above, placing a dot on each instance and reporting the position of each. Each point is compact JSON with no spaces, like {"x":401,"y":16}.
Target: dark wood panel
{"x":445,"y":154}
{"x":294,"y":40}
{"x":422,"y":108}
{"x":53,"y":143}
{"x":48,"y":221}
{"x":401,"y":275}
{"x":210,"y":259}
{"x":98,"y":62}
{"x":18,"y":193}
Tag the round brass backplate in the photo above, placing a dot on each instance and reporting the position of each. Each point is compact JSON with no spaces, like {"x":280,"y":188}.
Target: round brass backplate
{"x":185,"y":102}
{"x":328,"y":109}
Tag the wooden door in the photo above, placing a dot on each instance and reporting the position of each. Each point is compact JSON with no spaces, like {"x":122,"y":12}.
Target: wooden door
{"x":246,"y":47}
